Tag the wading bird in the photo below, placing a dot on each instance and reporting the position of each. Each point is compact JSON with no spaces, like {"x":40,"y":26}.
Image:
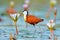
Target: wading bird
{"x":31,"y":19}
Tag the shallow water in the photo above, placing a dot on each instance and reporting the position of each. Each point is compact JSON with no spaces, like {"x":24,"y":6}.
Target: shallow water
{"x":7,"y":27}
{"x":26,"y":33}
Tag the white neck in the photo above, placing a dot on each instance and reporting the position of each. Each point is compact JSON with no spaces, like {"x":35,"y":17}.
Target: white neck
{"x":25,"y":13}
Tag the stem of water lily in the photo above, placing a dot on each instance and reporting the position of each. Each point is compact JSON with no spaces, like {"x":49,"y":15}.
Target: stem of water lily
{"x":51,"y":34}
{"x":48,"y":13}
{"x":16,"y":27}
{"x":11,"y":36}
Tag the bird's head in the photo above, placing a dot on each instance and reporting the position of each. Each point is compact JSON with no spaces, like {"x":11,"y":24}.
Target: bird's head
{"x":25,"y":13}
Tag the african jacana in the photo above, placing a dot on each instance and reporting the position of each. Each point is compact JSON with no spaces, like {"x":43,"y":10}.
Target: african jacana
{"x":52,"y":5}
{"x":13,"y":15}
{"x":31,"y":19}
{"x":51,"y":27}
{"x":25,"y":6}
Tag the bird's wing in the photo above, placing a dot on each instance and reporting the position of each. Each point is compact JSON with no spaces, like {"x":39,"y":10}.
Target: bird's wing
{"x":32,"y":19}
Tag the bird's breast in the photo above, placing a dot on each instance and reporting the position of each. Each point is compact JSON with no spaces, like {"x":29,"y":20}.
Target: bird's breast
{"x":25,"y":17}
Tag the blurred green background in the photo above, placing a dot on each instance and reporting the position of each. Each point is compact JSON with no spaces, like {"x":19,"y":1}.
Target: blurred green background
{"x":35,"y":5}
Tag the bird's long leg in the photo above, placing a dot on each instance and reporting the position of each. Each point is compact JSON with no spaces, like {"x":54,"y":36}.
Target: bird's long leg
{"x":34,"y":30}
{"x":26,"y":25}
{"x":41,"y":31}
{"x":16,"y":27}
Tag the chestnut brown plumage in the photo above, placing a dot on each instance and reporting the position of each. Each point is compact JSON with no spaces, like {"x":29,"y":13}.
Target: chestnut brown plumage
{"x":33,"y":19}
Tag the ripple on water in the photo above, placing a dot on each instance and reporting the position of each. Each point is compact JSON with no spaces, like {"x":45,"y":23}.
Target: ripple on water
{"x":27,"y":33}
